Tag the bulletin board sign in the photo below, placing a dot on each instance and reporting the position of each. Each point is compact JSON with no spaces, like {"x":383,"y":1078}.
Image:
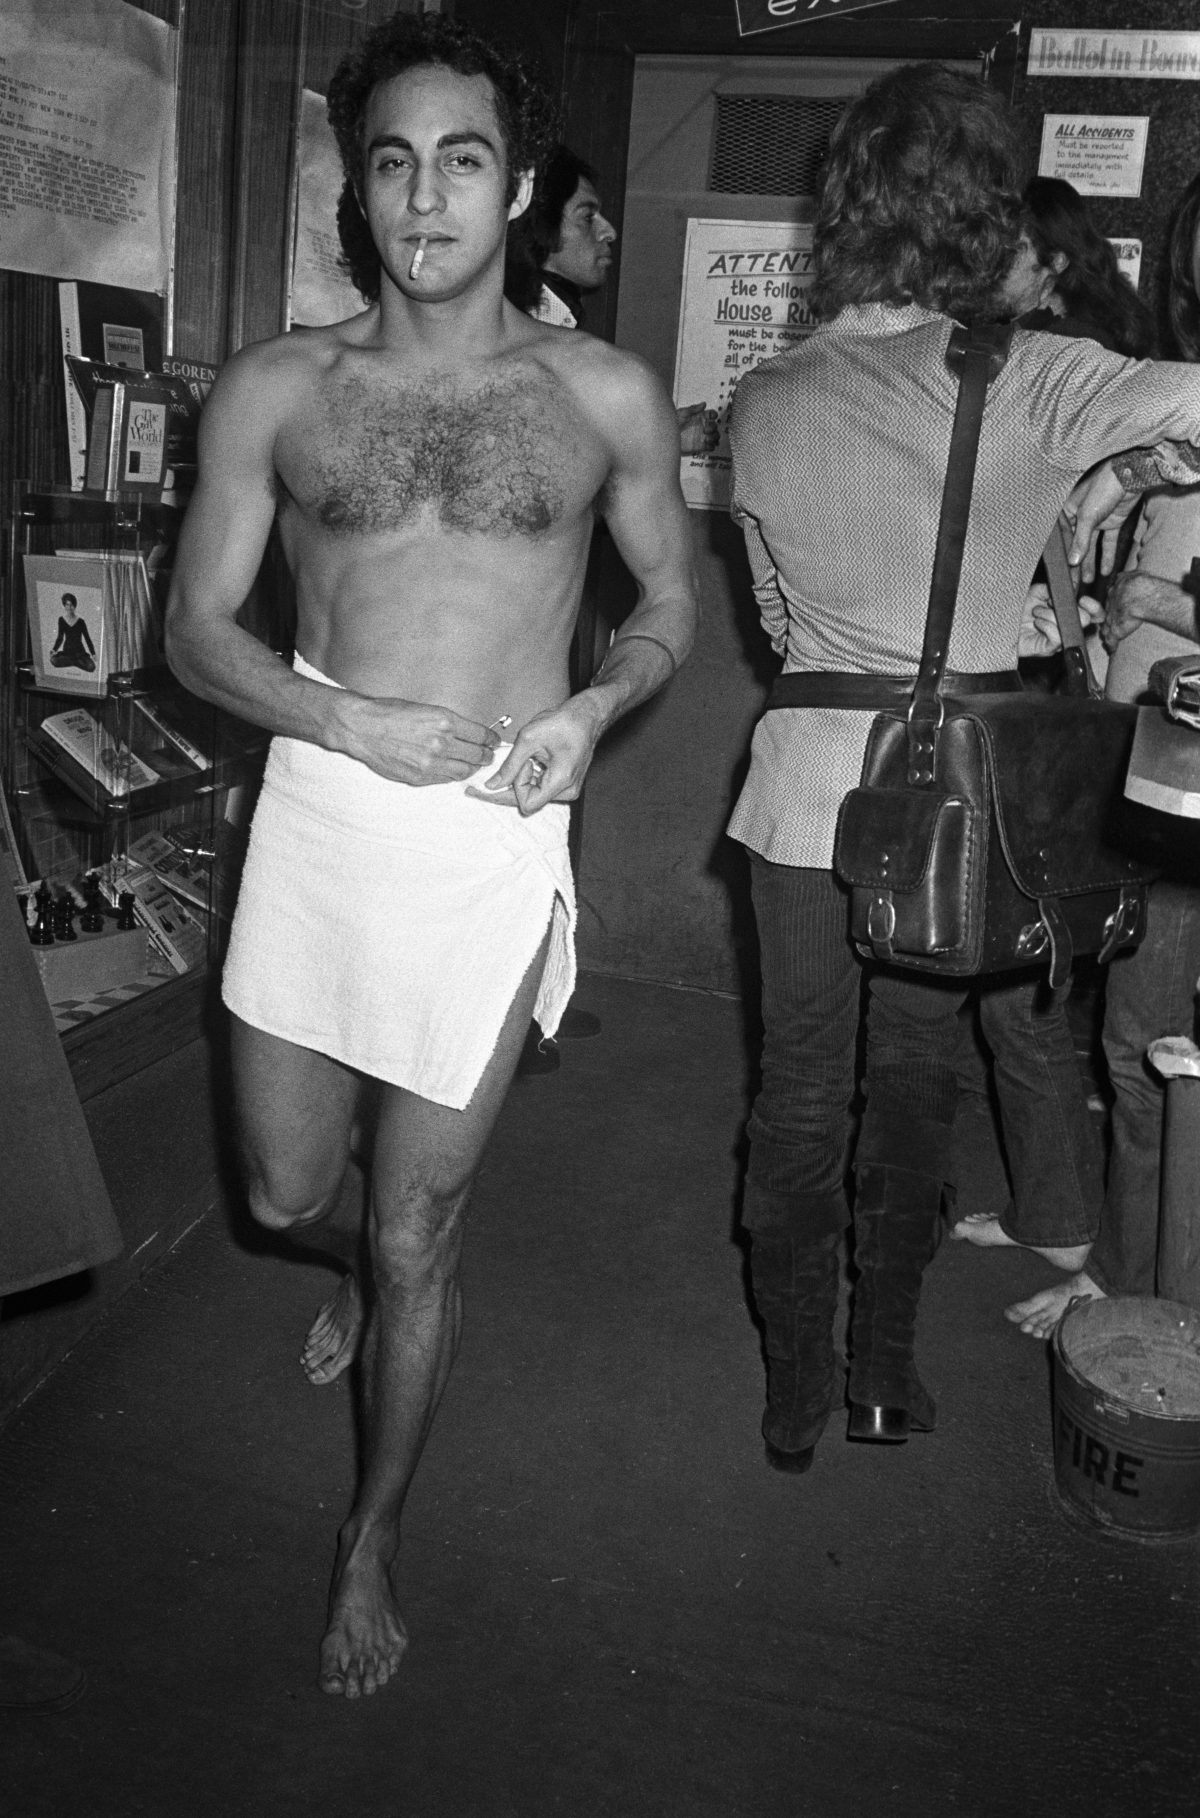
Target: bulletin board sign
{"x":1099,"y":154}
{"x":744,"y":298}
{"x":320,"y":291}
{"x":87,"y":142}
{"x":1145,"y":56}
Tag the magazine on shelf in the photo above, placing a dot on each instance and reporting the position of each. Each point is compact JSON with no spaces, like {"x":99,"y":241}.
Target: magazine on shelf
{"x":176,"y":728}
{"x":188,"y":874}
{"x":122,"y":328}
{"x":92,"y":746}
{"x":97,"y":383}
{"x":90,"y":616}
{"x":178,"y":933}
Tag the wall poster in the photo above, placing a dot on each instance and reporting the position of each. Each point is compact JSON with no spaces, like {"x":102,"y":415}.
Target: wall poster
{"x":320,"y":291}
{"x":1099,"y":154}
{"x":87,"y":142}
{"x":744,"y":298}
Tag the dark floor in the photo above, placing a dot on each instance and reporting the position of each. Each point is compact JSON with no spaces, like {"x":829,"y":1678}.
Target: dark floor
{"x":615,"y":1607}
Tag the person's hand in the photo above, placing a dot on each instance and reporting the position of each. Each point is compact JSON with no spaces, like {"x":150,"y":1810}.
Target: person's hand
{"x":409,"y":742}
{"x":1039,"y":635}
{"x":1132,"y":599}
{"x":1094,"y":513}
{"x":548,"y":761}
{"x":699,"y":430}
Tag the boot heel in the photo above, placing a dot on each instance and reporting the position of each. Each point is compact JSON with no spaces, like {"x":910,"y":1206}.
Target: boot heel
{"x":869,"y":1420}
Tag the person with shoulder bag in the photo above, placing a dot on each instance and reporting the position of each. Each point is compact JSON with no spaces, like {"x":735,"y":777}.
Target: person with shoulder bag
{"x":840,"y":451}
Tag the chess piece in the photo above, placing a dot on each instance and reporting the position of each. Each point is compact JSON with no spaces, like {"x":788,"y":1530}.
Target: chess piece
{"x":92,"y":919}
{"x":125,"y":917}
{"x":42,"y":934}
{"x":64,"y":918}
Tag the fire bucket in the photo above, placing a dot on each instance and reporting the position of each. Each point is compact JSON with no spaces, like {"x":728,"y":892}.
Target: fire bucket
{"x":1127,"y":1415}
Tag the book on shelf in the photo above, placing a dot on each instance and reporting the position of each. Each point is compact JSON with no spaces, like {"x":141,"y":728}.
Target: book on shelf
{"x":176,"y":728}
{"x":177,"y":932}
{"x":172,"y":393}
{"x":127,"y":439}
{"x":122,"y":328}
{"x":90,"y":616}
{"x":187,"y":872}
{"x":90,"y":744}
{"x":197,"y":375}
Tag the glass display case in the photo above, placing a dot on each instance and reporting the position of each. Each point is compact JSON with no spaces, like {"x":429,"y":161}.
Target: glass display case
{"x":127,"y":796}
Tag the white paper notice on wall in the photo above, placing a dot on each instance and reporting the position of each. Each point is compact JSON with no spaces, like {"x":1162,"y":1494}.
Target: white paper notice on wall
{"x":87,"y":142}
{"x":321,"y":292}
{"x":1099,"y":154}
{"x":744,"y":298}
{"x":1143,"y":56}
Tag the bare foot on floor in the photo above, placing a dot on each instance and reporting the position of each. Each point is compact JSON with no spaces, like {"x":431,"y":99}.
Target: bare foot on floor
{"x":366,"y":1637}
{"x":1039,"y":1315}
{"x":332,"y":1341}
{"x":984,"y":1230}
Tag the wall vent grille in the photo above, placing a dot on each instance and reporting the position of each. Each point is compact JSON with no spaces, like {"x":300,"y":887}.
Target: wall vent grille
{"x":772,"y":145}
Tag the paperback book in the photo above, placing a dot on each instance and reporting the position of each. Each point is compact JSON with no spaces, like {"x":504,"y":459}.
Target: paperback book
{"x":88,"y":743}
{"x":122,"y":328}
{"x":174,"y":929}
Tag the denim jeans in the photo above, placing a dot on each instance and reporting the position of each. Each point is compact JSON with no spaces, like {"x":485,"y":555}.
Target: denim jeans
{"x":1149,"y":992}
{"x":812,"y":986}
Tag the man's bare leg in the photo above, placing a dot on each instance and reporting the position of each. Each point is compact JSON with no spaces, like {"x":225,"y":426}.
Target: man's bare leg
{"x":425,"y":1160}
{"x":297,"y":1112}
{"x":984,"y":1229}
{"x":1039,"y":1315}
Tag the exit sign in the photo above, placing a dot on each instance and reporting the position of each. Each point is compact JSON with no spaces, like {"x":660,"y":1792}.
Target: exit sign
{"x":773,"y":15}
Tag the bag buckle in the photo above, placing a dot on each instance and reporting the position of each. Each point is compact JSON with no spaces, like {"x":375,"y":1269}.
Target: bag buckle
{"x":1120,"y":926}
{"x":881,"y":926}
{"x":1033,"y":940}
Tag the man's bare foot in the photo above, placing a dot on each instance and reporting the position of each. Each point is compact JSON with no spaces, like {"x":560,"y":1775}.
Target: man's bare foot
{"x":1039,"y":1315}
{"x":332,"y":1341}
{"x":366,"y":1637}
{"x":982,"y":1229}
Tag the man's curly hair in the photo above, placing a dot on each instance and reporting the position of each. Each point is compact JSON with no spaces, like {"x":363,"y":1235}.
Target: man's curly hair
{"x":528,"y":121}
{"x":921,"y":199}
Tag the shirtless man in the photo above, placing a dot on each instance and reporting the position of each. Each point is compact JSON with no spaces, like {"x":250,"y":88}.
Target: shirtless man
{"x":435,"y":465}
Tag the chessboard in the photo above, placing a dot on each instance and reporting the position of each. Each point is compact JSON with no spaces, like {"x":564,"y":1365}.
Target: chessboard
{"x":69,"y":1012}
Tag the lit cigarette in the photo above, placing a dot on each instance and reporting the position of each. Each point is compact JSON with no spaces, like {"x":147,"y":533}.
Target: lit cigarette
{"x":418,"y":259}
{"x":499,"y":725}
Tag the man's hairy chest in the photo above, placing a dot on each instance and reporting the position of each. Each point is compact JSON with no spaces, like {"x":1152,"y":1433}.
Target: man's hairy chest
{"x":505,"y":458}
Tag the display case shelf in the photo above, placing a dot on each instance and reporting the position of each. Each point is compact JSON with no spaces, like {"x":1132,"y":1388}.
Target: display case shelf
{"x":113,"y":768}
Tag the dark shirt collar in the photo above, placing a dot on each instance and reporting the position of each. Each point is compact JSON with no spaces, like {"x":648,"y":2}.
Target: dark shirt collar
{"x":566,"y":292}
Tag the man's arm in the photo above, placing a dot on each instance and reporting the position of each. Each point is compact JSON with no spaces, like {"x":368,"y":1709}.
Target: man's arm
{"x":644,"y":509}
{"x":220,"y":549}
{"x":1145,"y":599}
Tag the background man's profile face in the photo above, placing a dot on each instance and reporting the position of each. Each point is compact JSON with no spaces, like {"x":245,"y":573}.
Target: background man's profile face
{"x":435,"y":175}
{"x":584,"y":255}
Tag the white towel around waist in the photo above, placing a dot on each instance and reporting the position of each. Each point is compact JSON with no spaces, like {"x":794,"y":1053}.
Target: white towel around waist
{"x":389,"y":926}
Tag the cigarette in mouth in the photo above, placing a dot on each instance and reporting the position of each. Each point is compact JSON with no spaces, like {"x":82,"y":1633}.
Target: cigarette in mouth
{"x":418,"y":259}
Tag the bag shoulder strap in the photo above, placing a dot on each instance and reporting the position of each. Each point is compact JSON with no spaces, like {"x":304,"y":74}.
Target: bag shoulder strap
{"x":977,"y":352}
{"x":1080,"y":676}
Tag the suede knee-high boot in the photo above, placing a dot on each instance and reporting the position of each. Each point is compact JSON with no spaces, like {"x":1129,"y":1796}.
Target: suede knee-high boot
{"x":796,"y":1292}
{"x":897,"y":1225}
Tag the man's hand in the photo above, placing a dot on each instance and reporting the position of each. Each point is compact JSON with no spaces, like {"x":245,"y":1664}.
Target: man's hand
{"x":1135,"y":599}
{"x":699,"y":430}
{"x":548,"y":761}
{"x":1095,"y":513}
{"x":1039,"y":635}
{"x":409,"y":742}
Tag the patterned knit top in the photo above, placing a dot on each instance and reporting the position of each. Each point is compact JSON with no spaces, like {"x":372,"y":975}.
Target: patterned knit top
{"x":839,"y":454}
